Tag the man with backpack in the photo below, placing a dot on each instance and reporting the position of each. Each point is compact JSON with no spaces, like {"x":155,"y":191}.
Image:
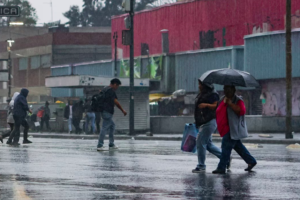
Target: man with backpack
{"x":105,"y":102}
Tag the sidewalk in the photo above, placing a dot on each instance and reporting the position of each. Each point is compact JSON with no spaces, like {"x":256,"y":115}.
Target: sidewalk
{"x":253,"y":138}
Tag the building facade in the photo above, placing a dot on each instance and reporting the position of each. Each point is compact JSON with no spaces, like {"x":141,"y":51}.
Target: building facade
{"x":33,"y":56}
{"x":195,"y":24}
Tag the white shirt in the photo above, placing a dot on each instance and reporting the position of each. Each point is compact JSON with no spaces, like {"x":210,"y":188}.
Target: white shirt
{"x":71,"y":112}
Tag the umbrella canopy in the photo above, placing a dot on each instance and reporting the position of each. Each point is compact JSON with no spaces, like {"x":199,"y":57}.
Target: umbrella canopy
{"x":229,"y":77}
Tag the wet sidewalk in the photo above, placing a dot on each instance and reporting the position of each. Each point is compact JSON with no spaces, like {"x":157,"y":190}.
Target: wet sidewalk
{"x":253,"y":138}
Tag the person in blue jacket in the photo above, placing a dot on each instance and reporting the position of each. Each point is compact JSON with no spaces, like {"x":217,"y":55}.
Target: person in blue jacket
{"x":19,"y":114}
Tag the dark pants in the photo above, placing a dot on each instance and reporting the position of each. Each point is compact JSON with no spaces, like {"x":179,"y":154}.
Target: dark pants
{"x":97,"y":121}
{"x":46,"y":121}
{"x":15,"y":134}
{"x":227,"y":145}
{"x":7,"y":133}
{"x":76,"y":123}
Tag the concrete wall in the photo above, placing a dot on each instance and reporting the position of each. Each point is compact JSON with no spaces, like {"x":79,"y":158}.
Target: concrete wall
{"x":256,"y":124}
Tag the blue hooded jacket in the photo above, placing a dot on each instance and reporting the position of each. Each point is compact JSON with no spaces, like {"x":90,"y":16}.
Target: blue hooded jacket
{"x":20,"y":104}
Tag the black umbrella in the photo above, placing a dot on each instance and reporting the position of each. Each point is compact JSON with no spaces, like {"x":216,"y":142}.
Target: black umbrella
{"x":229,"y":77}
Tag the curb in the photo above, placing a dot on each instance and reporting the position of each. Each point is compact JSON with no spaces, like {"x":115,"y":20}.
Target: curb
{"x":153,"y":138}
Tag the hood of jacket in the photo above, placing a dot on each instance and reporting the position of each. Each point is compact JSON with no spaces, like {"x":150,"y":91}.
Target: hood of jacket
{"x":24,"y":92}
{"x":11,"y":103}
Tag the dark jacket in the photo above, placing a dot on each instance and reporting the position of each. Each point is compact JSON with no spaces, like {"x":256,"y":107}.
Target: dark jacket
{"x":67,"y":112}
{"x":20,"y":104}
{"x":78,"y":110}
{"x":87,"y":106}
{"x":202,"y":116}
{"x":47,"y":112}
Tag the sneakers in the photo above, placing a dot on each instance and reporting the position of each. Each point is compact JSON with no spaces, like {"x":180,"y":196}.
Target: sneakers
{"x":198,"y":170}
{"x":27,"y":142}
{"x":113,"y":148}
{"x":100,"y":149}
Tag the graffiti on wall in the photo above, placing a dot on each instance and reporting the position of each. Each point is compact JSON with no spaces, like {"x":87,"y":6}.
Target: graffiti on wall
{"x":274,"y":98}
{"x":270,"y":24}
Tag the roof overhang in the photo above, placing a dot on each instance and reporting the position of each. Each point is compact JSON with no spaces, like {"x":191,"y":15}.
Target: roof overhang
{"x":81,"y":81}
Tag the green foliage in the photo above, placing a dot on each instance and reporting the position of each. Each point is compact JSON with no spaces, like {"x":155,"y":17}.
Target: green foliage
{"x":28,"y":13}
{"x":99,"y":12}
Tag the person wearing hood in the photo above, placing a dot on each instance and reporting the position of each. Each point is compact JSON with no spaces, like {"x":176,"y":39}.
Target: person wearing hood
{"x":205,"y":119}
{"x":10,"y":119}
{"x":19,"y":115}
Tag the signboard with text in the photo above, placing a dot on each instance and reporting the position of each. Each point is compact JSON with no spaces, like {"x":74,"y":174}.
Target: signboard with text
{"x":9,"y":11}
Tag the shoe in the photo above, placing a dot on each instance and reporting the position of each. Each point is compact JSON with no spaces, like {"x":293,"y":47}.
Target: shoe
{"x":8,"y":142}
{"x":100,"y":149}
{"x":250,"y":167}
{"x":229,"y":164}
{"x":198,"y":170}
{"x":15,"y":144}
{"x":218,"y":171}
{"x":111,"y":148}
{"x":1,"y":139}
{"x":27,"y":142}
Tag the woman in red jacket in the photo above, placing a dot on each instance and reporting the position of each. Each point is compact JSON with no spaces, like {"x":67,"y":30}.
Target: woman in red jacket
{"x":230,"y":117}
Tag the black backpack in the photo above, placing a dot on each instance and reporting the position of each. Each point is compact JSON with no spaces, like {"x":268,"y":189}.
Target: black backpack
{"x":98,"y":101}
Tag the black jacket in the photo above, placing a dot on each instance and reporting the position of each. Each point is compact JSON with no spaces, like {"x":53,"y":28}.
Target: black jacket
{"x":20,"y":104}
{"x":202,"y":116}
{"x":67,"y":111}
{"x":78,"y":110}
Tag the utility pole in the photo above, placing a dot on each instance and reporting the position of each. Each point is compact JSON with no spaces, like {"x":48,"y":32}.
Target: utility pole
{"x":288,"y":120}
{"x":9,"y":74}
{"x":116,"y":40}
{"x":131,"y":89}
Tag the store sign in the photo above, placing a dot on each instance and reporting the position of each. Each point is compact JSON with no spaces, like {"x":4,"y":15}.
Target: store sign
{"x":9,"y":11}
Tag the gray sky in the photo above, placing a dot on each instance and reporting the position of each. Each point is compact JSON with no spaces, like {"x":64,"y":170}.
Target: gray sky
{"x":43,"y":8}
{"x":59,"y":6}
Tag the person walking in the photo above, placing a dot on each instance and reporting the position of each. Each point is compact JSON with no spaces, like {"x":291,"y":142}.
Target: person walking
{"x":230,"y":116}
{"x":90,"y":117}
{"x":20,"y":110}
{"x":10,"y":119}
{"x":68,"y":114}
{"x":78,"y":110}
{"x":108,"y":125}
{"x":205,"y":119}
{"x":46,"y":117}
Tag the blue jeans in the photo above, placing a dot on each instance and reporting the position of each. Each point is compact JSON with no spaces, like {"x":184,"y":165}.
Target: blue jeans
{"x":90,"y":117}
{"x":70,"y":124}
{"x":107,"y":126}
{"x":227,"y":145}
{"x":204,"y":142}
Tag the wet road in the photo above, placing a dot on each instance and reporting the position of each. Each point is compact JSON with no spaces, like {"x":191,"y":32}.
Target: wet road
{"x":72,"y":169}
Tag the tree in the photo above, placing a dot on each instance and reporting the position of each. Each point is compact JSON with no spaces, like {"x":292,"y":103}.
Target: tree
{"x":28,"y":13}
{"x":99,"y":12}
{"x":74,"y":16}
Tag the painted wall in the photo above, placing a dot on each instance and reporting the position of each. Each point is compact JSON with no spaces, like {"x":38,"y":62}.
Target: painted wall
{"x":274,"y":93}
{"x":204,"y":24}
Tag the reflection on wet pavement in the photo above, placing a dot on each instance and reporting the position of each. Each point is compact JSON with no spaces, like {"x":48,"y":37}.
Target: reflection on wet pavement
{"x":72,"y":169}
